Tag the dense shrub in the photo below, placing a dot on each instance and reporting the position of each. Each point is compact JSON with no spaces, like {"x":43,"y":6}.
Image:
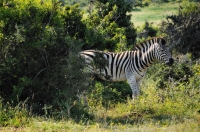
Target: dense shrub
{"x":112,"y":23}
{"x":105,"y":93}
{"x":38,"y":54}
{"x":179,"y":72}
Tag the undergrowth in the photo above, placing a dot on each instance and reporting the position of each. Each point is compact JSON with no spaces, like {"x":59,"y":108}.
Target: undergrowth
{"x":15,"y":116}
{"x":174,"y":107}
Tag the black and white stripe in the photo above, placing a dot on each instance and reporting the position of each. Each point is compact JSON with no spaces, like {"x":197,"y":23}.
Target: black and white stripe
{"x":129,"y":65}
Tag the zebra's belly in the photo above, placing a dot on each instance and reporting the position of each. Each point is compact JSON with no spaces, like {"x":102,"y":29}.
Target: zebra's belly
{"x":121,"y":78}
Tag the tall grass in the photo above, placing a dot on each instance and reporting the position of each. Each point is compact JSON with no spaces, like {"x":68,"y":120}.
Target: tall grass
{"x":15,"y":116}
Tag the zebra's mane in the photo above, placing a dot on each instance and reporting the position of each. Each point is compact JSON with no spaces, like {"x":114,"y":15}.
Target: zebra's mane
{"x":150,"y":41}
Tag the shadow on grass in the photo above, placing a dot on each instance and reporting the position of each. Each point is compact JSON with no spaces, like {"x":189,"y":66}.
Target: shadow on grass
{"x":138,"y":118}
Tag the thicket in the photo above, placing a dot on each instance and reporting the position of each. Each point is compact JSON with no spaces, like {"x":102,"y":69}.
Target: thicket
{"x":39,"y":54}
{"x":39,"y":62}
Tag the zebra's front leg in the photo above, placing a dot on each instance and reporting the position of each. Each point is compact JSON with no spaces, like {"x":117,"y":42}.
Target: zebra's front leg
{"x":138,"y":86}
{"x":133,"y":84}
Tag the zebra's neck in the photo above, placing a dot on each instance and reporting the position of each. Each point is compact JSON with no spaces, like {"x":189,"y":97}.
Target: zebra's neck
{"x":148,"y":56}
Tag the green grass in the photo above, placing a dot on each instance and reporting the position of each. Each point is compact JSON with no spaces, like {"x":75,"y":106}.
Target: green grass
{"x":153,"y":13}
{"x":188,"y":125}
{"x":112,"y":120}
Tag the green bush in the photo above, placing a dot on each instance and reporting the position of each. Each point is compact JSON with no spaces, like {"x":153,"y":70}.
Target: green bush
{"x":38,"y":54}
{"x":177,"y":82}
{"x":179,"y":72}
{"x":111,"y":22}
{"x":105,"y":93}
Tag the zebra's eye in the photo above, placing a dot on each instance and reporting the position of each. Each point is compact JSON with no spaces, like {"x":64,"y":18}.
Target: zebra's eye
{"x":162,"y":50}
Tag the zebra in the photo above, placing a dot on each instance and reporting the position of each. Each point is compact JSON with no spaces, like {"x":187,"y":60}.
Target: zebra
{"x":130,"y":65}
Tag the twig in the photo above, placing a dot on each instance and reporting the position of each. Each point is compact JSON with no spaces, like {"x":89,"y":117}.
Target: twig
{"x":38,"y":73}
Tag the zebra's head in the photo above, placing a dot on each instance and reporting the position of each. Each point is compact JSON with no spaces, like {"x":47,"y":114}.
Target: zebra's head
{"x":162,"y":52}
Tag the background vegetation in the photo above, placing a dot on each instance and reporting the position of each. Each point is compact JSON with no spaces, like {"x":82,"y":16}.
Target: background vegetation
{"x":42,"y":78}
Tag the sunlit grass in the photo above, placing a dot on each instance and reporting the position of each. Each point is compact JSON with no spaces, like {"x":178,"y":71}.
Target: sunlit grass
{"x":140,"y":125}
{"x":153,"y":13}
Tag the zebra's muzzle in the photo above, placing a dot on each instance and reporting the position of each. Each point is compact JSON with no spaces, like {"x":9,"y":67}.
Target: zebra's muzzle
{"x":170,"y":62}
